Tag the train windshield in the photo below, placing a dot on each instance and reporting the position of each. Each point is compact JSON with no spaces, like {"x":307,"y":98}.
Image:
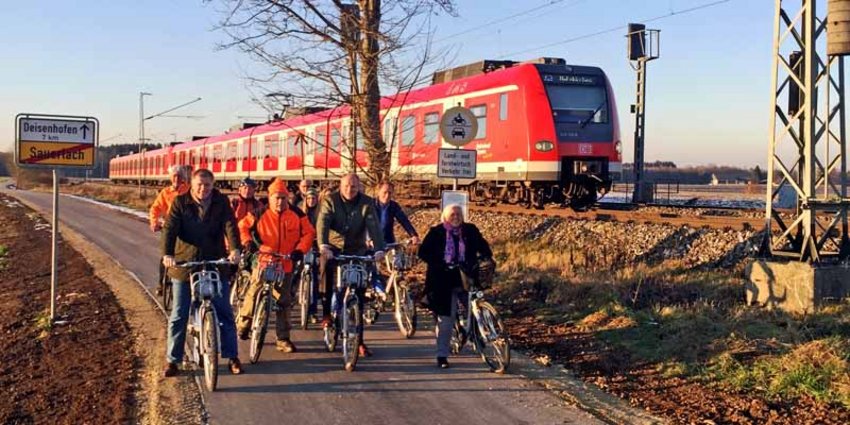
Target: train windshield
{"x":578,"y":103}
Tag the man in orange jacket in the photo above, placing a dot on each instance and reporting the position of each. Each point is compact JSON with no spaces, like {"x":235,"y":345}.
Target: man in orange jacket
{"x":282,"y":230}
{"x":179,"y":175}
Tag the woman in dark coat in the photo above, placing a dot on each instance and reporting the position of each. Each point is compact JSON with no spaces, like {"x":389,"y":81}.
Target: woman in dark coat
{"x":449,"y":247}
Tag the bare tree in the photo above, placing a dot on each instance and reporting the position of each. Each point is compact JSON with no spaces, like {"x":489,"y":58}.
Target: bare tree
{"x":329,"y":53}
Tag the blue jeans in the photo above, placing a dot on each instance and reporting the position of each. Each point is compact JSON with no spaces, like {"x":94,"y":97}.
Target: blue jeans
{"x":180,"y":317}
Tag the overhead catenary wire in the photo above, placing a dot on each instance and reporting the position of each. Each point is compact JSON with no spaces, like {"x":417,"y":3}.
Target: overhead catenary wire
{"x":616,"y":28}
{"x":506,"y":18}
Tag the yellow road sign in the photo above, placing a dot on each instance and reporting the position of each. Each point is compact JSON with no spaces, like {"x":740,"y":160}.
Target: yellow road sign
{"x":55,"y":153}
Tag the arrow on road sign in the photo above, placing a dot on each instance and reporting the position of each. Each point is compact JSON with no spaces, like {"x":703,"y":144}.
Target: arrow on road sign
{"x":84,"y":128}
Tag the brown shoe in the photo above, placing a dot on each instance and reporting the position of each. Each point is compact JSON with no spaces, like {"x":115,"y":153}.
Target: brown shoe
{"x":170,"y":370}
{"x":285,"y":345}
{"x":235,"y":366}
{"x":364,"y":351}
{"x":244,"y":333}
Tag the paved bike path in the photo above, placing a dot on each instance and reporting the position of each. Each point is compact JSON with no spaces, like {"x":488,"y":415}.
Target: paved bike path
{"x":398,"y":385}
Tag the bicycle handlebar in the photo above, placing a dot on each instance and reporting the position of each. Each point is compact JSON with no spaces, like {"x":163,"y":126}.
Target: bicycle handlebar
{"x":219,"y":262}
{"x":275,"y":255}
{"x":366,"y":258}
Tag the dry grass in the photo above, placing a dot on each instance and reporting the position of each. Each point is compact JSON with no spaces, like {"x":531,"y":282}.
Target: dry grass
{"x":690,"y":323}
{"x":116,"y":195}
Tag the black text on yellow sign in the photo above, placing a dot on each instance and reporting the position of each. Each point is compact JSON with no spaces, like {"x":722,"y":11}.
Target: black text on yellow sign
{"x":53,"y":153}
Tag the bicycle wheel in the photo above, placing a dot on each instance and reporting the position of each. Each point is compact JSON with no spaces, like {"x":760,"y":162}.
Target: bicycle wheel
{"x":490,"y":338}
{"x":458,"y":337}
{"x":405,"y":310}
{"x":209,"y":339}
{"x":304,"y":289}
{"x":259,"y":325}
{"x":350,"y":336}
{"x":234,"y":293}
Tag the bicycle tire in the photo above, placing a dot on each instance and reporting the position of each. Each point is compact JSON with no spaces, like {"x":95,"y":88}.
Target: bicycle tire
{"x":304,"y":289}
{"x":350,"y":338}
{"x":405,"y":310}
{"x":259,"y":326}
{"x":209,"y":339}
{"x":491,"y":339}
{"x":458,"y":338}
{"x":234,"y":293}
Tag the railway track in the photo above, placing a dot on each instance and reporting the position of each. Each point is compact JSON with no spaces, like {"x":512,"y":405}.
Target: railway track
{"x":677,"y":215}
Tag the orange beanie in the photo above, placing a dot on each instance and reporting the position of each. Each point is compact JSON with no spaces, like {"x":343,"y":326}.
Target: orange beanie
{"x":278,"y":186}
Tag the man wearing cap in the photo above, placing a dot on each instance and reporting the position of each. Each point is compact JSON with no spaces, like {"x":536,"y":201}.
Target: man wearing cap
{"x":179,"y":175}
{"x":303,"y":187}
{"x":245,"y":201}
{"x":281,"y":230}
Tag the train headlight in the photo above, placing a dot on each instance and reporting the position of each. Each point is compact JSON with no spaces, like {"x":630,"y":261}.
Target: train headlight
{"x":618,"y":147}
{"x":544,"y":146}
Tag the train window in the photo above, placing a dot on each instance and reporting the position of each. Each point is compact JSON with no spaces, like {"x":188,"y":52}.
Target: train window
{"x":231,"y":151}
{"x":480,"y":112}
{"x":390,"y":127}
{"x":274,"y":147}
{"x":578,"y":104}
{"x":335,"y":136}
{"x":255,"y":151}
{"x":321,"y":139}
{"x":503,"y":107}
{"x":408,"y":130}
{"x":432,"y":128}
{"x":290,"y":145}
{"x":246,"y":150}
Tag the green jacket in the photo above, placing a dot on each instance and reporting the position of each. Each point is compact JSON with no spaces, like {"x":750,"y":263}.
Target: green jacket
{"x":188,"y":237}
{"x":351,"y":220}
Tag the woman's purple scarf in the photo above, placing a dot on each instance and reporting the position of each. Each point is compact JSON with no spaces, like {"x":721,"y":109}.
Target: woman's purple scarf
{"x":452,"y":256}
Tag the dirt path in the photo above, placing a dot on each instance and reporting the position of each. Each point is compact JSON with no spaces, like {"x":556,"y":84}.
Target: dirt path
{"x":102,"y":365}
{"x":81,"y":370}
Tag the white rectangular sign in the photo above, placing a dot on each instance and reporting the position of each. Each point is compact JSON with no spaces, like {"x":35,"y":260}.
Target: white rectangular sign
{"x":457,"y":163}
{"x":57,"y":131}
{"x":457,"y":197}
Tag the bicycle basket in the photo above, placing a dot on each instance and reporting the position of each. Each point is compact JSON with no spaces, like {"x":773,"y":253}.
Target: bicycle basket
{"x":205,"y":284}
{"x":354,"y":275}
{"x":402,"y":259}
{"x":486,"y":271}
{"x":273,"y":272}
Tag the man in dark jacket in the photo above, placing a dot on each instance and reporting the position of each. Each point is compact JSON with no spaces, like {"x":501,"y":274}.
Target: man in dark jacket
{"x":350,"y":214}
{"x":389,"y":211}
{"x":195,"y":230}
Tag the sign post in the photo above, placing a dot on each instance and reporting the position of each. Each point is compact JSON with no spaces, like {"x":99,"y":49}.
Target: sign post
{"x":458,"y":127}
{"x":55,"y":141}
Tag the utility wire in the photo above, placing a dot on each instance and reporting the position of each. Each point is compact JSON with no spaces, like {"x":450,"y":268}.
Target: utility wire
{"x":617,"y":28}
{"x":506,"y":18}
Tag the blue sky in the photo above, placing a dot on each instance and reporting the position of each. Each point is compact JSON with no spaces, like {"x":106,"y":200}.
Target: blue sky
{"x":708,"y":94}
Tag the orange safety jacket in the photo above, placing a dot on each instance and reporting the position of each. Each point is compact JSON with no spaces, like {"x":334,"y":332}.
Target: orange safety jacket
{"x":280,"y":233}
{"x":159,"y":208}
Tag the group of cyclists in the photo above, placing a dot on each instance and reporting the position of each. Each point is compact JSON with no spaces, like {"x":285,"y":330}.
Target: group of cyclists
{"x":200,"y":223}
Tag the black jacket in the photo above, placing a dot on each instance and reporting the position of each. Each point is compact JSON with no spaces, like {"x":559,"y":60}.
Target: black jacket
{"x":439,"y":280}
{"x":188,"y":237}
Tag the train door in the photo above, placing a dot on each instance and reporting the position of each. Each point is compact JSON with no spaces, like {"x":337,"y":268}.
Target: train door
{"x":232,"y":157}
{"x":271,"y":147}
{"x":406,"y":140}
{"x":320,"y":157}
{"x":216,"y":159}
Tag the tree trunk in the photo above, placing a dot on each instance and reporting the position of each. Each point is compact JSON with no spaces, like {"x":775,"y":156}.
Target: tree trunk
{"x":369,"y":102}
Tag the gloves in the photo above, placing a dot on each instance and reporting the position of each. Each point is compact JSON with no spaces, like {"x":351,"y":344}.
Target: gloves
{"x":296,"y":256}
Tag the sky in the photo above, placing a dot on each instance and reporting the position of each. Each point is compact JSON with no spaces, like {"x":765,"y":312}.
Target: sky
{"x":708,"y":95}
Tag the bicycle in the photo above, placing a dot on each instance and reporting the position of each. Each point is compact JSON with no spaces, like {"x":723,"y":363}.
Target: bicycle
{"x":306,"y":287}
{"x":203,"y":327}
{"x":241,"y":280}
{"x":398,"y":261}
{"x":482,"y":324}
{"x":272,"y":274}
{"x":352,"y":276}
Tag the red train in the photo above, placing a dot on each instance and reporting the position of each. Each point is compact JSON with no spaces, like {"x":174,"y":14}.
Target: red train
{"x":547,"y":132}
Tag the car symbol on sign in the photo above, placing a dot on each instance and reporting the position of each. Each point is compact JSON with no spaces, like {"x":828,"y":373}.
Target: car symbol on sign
{"x":458,"y":132}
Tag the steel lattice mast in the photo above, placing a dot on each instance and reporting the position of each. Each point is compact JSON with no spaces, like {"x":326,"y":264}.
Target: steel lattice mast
{"x":807,"y":151}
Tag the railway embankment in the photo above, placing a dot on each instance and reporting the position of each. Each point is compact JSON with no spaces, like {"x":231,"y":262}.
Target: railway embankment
{"x":655,"y":314}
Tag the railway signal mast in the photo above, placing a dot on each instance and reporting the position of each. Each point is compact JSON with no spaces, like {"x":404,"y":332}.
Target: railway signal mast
{"x":639,"y":54}
{"x":806,"y":158}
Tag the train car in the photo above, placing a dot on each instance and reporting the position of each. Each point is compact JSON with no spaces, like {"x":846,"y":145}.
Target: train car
{"x":547,"y":132}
